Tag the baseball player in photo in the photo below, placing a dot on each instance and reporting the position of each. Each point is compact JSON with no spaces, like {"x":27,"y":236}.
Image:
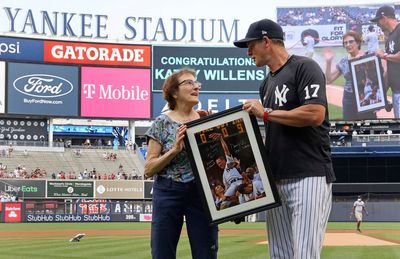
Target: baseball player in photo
{"x":231,"y":176}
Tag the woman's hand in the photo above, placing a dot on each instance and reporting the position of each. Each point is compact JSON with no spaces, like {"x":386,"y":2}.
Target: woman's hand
{"x":329,"y":54}
{"x":180,"y":135}
{"x":203,"y":113}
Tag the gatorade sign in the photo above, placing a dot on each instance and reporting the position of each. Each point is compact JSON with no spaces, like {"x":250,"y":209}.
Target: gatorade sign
{"x":12,"y":212}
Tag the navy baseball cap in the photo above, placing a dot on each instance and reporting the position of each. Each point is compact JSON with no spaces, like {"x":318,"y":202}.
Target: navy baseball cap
{"x":385,"y":10}
{"x":258,"y":30}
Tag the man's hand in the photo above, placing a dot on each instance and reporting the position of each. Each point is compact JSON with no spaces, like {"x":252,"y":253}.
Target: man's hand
{"x":254,"y":107}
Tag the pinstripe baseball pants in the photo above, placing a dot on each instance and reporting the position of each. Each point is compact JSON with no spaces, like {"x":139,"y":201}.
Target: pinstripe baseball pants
{"x":296,"y":229}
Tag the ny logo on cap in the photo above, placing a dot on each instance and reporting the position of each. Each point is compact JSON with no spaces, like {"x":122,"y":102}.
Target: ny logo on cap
{"x":263,"y":32}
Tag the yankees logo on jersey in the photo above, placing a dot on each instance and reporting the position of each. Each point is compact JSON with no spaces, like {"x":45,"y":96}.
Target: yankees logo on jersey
{"x":280,"y":95}
{"x":391,"y":47}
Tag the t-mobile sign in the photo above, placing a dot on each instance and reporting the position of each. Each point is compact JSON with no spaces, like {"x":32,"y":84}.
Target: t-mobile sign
{"x":115,"y":92}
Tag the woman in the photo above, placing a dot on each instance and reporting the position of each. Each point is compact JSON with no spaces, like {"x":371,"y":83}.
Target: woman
{"x":352,"y":42}
{"x":174,"y":192}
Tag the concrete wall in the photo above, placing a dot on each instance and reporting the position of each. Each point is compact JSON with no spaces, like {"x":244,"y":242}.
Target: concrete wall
{"x":377,"y":211}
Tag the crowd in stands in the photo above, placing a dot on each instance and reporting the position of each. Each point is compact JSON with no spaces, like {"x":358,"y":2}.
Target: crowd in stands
{"x":21,"y":172}
{"x":7,"y":197}
{"x":110,"y":156}
{"x":94,"y":175}
{"x":325,"y":15}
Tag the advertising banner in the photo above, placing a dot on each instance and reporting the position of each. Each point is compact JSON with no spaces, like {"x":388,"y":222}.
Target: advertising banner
{"x":42,"y":89}
{"x":84,"y":206}
{"x":215,"y":102}
{"x":128,"y":207}
{"x":115,"y":92}
{"x":119,"y":189}
{"x":69,"y":189}
{"x":329,"y":35}
{"x":126,"y":217}
{"x":147,"y":217}
{"x":21,"y":49}
{"x":23,"y":130}
{"x":2,"y":86}
{"x":221,"y":70}
{"x":12,"y":212}
{"x":97,"y":53}
{"x":24,"y":189}
{"x":38,"y":218}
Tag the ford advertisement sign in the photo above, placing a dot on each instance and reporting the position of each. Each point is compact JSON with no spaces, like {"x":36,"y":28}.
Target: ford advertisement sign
{"x":42,"y":85}
{"x":39,"y":89}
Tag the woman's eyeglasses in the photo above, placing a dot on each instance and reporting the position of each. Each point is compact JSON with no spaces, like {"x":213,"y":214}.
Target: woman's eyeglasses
{"x":190,"y":82}
{"x":345,"y":43}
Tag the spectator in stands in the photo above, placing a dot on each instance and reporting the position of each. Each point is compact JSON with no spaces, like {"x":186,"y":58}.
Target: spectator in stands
{"x":87,"y":143}
{"x":386,"y":19}
{"x":174,"y":190}
{"x":68,"y":143}
{"x":13,"y":197}
{"x":10,"y":150}
{"x":352,"y":42}
{"x":372,"y":40}
{"x":78,"y":152}
{"x":134,"y":174}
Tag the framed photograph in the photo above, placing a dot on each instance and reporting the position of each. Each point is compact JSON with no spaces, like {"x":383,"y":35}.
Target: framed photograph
{"x":368,"y":83}
{"x":228,"y":158}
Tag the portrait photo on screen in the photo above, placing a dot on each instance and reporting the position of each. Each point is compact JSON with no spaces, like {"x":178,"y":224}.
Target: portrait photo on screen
{"x":368,"y":82}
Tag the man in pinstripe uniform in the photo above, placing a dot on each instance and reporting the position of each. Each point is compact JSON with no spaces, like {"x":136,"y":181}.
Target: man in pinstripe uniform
{"x":295,"y":112}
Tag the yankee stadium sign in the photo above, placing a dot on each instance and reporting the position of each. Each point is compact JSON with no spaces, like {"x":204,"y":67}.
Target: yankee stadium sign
{"x":140,"y":28}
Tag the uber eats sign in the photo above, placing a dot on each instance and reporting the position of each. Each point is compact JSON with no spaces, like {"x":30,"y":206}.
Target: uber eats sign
{"x":24,"y":188}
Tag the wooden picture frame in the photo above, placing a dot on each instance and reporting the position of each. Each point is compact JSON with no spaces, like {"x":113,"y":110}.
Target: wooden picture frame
{"x":368,"y":83}
{"x":233,"y":184}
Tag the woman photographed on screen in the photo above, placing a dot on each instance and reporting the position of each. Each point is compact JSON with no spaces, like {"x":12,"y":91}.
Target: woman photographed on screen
{"x":352,"y":43}
{"x":175,"y":195}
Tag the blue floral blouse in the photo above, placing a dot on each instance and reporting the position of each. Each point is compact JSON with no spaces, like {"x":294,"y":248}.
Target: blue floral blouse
{"x":163,"y":130}
{"x":344,"y":68}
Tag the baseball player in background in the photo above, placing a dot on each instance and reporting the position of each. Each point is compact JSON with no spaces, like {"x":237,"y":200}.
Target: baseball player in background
{"x":357,"y":211}
{"x":295,"y":112}
{"x":231,"y":176}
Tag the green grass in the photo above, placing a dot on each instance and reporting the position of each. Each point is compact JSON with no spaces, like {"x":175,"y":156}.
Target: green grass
{"x":335,"y":112}
{"x":231,"y":245}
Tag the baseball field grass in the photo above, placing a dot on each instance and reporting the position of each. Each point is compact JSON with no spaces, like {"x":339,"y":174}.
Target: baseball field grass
{"x":132,"y":240}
